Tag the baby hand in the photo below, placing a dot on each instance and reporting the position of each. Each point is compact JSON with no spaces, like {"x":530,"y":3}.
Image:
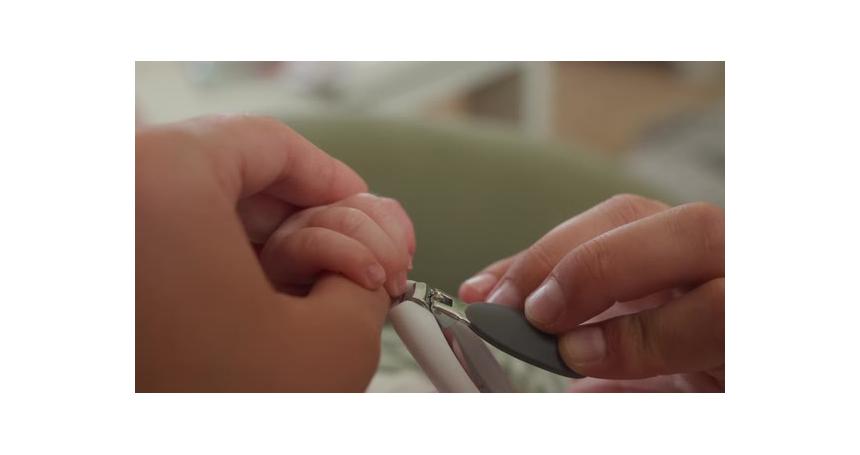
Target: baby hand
{"x":367,"y":238}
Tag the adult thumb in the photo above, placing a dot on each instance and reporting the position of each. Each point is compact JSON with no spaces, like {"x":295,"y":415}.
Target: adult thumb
{"x":685,"y":335}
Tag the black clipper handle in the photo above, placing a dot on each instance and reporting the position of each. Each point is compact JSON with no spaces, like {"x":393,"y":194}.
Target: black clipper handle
{"x":508,"y":329}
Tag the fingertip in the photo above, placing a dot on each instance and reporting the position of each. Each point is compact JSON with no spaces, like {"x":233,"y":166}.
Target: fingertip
{"x":477,"y":287}
{"x":375,"y":276}
{"x":545,"y":306}
{"x":506,"y":293}
{"x":466,"y":294}
{"x":412,"y":244}
{"x":583,"y":347}
{"x":400,"y":210}
{"x":397,"y":285}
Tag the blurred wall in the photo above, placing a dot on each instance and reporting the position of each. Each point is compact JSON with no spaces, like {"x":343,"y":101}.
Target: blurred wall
{"x":662,"y":121}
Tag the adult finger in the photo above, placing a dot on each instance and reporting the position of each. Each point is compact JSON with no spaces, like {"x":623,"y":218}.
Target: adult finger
{"x":477,"y":288}
{"x":534,"y":264}
{"x":347,"y":321}
{"x":684,"y":336}
{"x":366,"y":309}
{"x":261,"y":215}
{"x":695,"y":382}
{"x":682,"y":246}
{"x":634,"y":306}
{"x":252,"y":154}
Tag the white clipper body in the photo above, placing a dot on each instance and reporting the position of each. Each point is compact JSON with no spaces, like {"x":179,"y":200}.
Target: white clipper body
{"x":441,"y":340}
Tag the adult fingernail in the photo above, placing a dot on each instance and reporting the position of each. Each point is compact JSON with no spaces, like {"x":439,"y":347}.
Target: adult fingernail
{"x":481,"y":283}
{"x":545,"y":305}
{"x":375,"y":275}
{"x":583,"y":345}
{"x":506,"y":294}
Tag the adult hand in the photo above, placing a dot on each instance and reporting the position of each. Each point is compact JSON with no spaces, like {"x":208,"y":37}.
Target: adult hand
{"x":633,"y":288}
{"x":207,"y":318}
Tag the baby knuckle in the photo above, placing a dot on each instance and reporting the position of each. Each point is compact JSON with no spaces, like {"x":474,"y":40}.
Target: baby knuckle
{"x":351,"y":221}
{"x":276,"y":245}
{"x":360,"y":199}
{"x":395,"y":207}
{"x":392,"y":203}
{"x":368,"y":203}
{"x":307,"y":240}
{"x":379,"y":205}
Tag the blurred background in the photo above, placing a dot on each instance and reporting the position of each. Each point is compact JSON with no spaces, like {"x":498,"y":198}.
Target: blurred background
{"x":485,"y":156}
{"x":663,"y":121}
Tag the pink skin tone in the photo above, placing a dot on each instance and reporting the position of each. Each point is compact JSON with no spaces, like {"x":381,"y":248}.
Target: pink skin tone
{"x":367,"y":238}
{"x":633,"y":288}
{"x":208,"y":314}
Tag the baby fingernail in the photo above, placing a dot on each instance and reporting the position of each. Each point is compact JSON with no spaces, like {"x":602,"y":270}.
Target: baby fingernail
{"x":481,"y":283}
{"x":401,"y":282}
{"x":583,"y":345}
{"x":375,"y":275}
{"x":545,"y":305}
{"x":397,"y":286}
{"x":506,"y":294}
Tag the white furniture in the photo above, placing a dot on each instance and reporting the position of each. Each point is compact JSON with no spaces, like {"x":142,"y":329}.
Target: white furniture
{"x":168,"y":91}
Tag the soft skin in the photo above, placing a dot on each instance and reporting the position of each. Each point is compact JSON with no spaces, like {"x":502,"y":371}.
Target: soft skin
{"x":207,"y":315}
{"x":634,"y":289}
